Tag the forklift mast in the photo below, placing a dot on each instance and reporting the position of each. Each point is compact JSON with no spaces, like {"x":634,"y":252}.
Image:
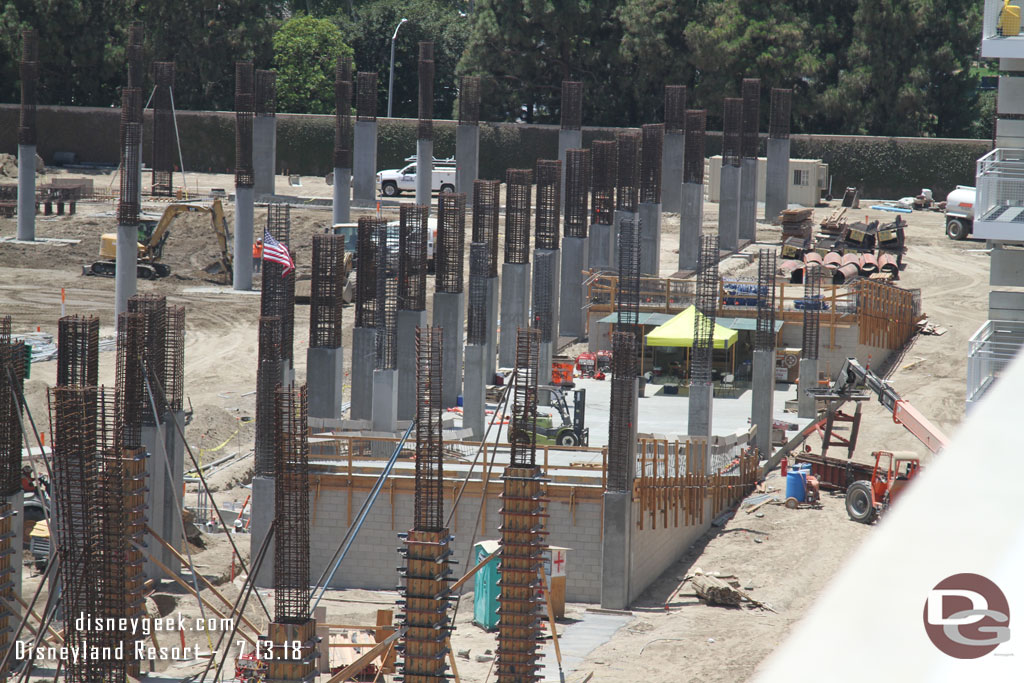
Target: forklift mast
{"x":579,"y":410}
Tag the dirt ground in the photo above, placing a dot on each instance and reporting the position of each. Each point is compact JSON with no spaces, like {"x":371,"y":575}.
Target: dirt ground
{"x":798,"y":552}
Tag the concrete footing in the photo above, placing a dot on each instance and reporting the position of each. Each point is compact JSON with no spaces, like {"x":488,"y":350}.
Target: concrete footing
{"x":650,"y":238}
{"x":261,"y":518}
{"x":424,"y":170}
{"x":571,"y":138}
{"x":515,"y":309}
{"x":126,"y":267}
{"x":672,"y":172}
{"x":691,"y":225}
{"x":808,"y":380}
{"x":701,"y":410}
{"x":762,"y":398}
{"x":324,"y":376}
{"x":407,"y":323}
{"x":729,"y":208}
{"x":364,"y":163}
{"x":264,"y":154}
{"x":467,"y":158}
{"x":748,"y":200}
{"x":242,"y":265}
{"x":384,"y":412}
{"x":364,"y":354}
{"x":340,"y":212}
{"x":572,"y":321}
{"x":26,"y":192}
{"x":450,"y":316}
{"x":617,"y":526}
{"x":599,"y":247}
{"x":474,"y":391}
{"x":493,"y":302}
{"x":549,"y":261}
{"x":776,"y":179}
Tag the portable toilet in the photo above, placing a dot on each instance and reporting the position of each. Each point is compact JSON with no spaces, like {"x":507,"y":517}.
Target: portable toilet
{"x":485,"y":587}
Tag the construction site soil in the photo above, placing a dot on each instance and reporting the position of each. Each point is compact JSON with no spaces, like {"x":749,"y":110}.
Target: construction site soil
{"x":783,"y":558}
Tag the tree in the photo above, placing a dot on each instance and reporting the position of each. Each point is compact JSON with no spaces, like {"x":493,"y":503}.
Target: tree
{"x":305,"y":53}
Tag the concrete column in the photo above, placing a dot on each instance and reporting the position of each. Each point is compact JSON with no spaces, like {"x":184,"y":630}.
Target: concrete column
{"x":691,"y":223}
{"x":450,"y":316}
{"x":776,"y":180}
{"x":364,"y":163}
{"x":264,"y":154}
{"x":324,"y":379}
{"x":701,"y":409}
{"x":567,"y":139}
{"x":672,"y":171}
{"x":808,"y":380}
{"x":173,"y":486}
{"x":342,"y":195}
{"x":617,"y":526}
{"x":17,"y":501}
{"x":26,"y":192}
{"x":474,"y":391}
{"x":155,"y":442}
{"x":762,"y":410}
{"x":424,"y":171}
{"x":491,"y":356}
{"x":242,"y":266}
{"x":553,"y":258}
{"x":407,"y":323}
{"x":262,"y":507}
{"x":599,"y":247}
{"x":385,"y":400}
{"x":650,"y":238}
{"x":364,"y":354}
{"x":515,"y":309}
{"x":544,"y":371}
{"x":729,"y":208}
{"x":571,"y":316}
{"x":748,"y":199}
{"x":467,"y":158}
{"x":126,"y":267}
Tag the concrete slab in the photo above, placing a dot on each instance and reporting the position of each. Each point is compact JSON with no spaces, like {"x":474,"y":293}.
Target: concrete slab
{"x":578,"y":640}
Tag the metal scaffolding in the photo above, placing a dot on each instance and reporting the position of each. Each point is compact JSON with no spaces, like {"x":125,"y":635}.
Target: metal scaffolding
{"x":650,"y":162}
{"x":326,"y":291}
{"x":245,"y":107}
{"x":343,"y":113}
{"x":778,"y":125}
{"x":572,"y":105}
{"x":450,"y":245}
{"x":764,"y":338}
{"x":518,"y":194}
{"x":813,"y":304}
{"x":412,"y":257}
{"x":425,"y":129}
{"x":476,"y":318}
{"x":622,"y":411}
{"x":469,"y":101}
{"x":751,"y":92}
{"x":693,"y":151}
{"x":549,"y":207}
{"x":291,"y":507}
{"x":603,"y":183}
{"x":707,"y":309}
{"x":627,"y":176}
{"x":268,"y":377}
{"x":732,"y":131}
{"x":675,"y":108}
{"x":486,"y":201}
{"x":164,"y":135}
{"x":577,"y":192}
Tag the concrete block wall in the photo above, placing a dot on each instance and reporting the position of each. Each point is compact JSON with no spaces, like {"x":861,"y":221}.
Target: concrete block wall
{"x":847,"y":344}
{"x":655,"y":550}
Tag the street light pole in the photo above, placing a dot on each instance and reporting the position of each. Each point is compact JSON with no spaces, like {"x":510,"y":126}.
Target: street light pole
{"x":391,"y":79}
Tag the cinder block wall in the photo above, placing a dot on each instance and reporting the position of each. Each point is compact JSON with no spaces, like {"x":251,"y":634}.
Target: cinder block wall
{"x":655,"y":550}
{"x":831,"y":360}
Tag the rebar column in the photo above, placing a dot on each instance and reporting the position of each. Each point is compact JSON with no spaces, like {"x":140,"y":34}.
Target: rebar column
{"x":164,"y":136}
{"x":750,"y":144}
{"x":29,"y":68}
{"x":163,"y":505}
{"x":730,"y":179}
{"x":385,"y":381}
{"x":364,"y":145}
{"x":364,"y":336}
{"x":706,"y":301}
{"x":627,"y":183}
{"x":449,"y":299}
{"x":475,"y":376}
{"x":763,"y":366}
{"x":547,"y":240}
{"x":600,"y":246}
{"x":264,"y":133}
{"x":324,"y":358}
{"x":571,"y":316}
{"x":544,"y":311}
{"x":412,"y":300}
{"x":12,"y":386}
{"x":128,"y":202}
{"x":277,"y":288}
{"x":425,"y":129}
{"x":467,"y":138}
{"x":627,"y":290}
{"x":813,"y":303}
{"x":776,"y":182}
{"x":340,"y":211}
{"x":244,"y":112}
{"x":649,"y":209}
{"x":691,"y":211}
{"x":522,"y":530}
{"x":486,"y":201}
{"x":268,"y":377}
{"x":426,"y":571}
{"x":515,"y":271}
{"x":570,"y":134}
{"x":136,"y":76}
{"x":672,"y":155}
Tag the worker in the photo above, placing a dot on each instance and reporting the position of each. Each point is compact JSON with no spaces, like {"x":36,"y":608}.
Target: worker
{"x":257,"y":256}
{"x":28,"y":484}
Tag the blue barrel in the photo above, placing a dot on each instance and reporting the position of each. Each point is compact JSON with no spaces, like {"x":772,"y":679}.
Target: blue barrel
{"x":795,"y":484}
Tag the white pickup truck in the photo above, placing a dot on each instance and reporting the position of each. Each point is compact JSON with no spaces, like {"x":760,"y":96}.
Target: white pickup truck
{"x":393,"y":182}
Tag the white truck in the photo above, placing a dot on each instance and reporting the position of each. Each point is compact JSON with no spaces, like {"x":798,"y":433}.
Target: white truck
{"x":960,"y":212}
{"x":393,"y":182}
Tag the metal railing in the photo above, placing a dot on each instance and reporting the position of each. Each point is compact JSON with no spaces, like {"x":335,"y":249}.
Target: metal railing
{"x":989,"y":351}
{"x":999,"y":203}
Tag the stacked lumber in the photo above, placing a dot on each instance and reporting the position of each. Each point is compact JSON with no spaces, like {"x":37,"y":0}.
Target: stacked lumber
{"x":835,"y":223}
{"x":797,"y":223}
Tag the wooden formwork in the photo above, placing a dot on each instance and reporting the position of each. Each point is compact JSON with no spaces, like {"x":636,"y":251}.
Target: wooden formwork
{"x":426,"y":606}
{"x":888,"y":314}
{"x":294,"y":652}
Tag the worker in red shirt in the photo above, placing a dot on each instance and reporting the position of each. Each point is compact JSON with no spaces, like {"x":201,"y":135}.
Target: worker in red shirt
{"x":257,"y":256}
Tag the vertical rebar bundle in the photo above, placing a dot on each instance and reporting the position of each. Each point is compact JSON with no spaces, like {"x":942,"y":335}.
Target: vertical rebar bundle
{"x":164,"y":138}
{"x":265,"y":93}
{"x":764,"y":338}
{"x":366,"y":96}
{"x":707,"y":310}
{"x":132,"y":399}
{"x":29,"y":68}
{"x":326,"y":291}
{"x":693,"y":151}
{"x":577,"y":191}
{"x":479,"y":271}
{"x":549,"y":206}
{"x":412,"y":257}
{"x":650,"y":162}
{"x":174,"y":359}
{"x":343,"y":113}
{"x":268,"y":377}
{"x":675,"y":108}
{"x":135,"y":73}
{"x":517,"y":215}
{"x":154,"y":308}
{"x":366,"y":272}
{"x":469,"y":101}
{"x":245,"y":106}
{"x":627,"y":294}
{"x":277,"y":290}
{"x":425,"y":129}
{"x":486,"y":200}
{"x":386,"y":316}
{"x":572,"y":105}
{"x":78,"y":348}
{"x":732,"y":131}
{"x":428,"y":505}
{"x":622,"y":411}
{"x":813,"y":303}
{"x":131,"y":144}
{"x":778,"y":125}
{"x":450,"y":246}
{"x":603,"y":182}
{"x":291,"y":507}
{"x":543,"y":299}
{"x":12,"y":384}
{"x":627,"y":176}
{"x":751,"y":91}
{"x":523,"y":424}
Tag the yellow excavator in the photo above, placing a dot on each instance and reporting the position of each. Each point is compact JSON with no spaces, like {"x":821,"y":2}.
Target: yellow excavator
{"x":153,"y":235}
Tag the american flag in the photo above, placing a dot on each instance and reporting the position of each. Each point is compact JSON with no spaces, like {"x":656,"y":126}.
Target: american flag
{"x":277,"y":252}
